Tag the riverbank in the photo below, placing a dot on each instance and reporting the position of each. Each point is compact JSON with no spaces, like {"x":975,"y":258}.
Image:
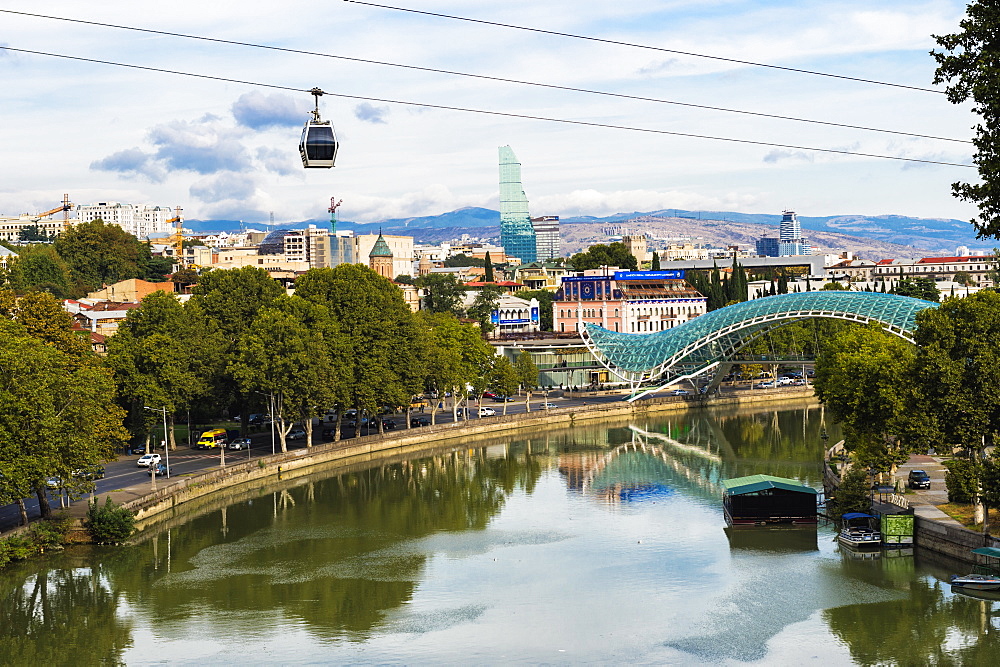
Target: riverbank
{"x":177,"y":494}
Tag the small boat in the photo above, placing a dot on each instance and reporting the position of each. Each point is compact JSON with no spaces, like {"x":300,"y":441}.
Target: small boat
{"x":859,"y":531}
{"x":984,"y":577}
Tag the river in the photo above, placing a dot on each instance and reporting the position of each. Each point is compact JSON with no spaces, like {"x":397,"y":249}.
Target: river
{"x":595,"y":544}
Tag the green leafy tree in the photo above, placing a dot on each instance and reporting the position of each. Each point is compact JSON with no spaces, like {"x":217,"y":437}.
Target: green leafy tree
{"x":100,"y":254}
{"x":596,"y":256}
{"x":655,"y":264}
{"x":40,"y":268}
{"x":503,"y":379}
{"x":527,"y":373}
{"x":545,"y":299}
{"x":921,"y":287}
{"x":854,"y":494}
{"x":463,"y":260}
{"x":486,"y":301}
{"x":56,"y":415}
{"x":968,"y":64}
{"x":443,"y":293}
{"x":833,"y":285}
{"x":858,"y":378}
{"x":957,"y":377}
{"x":964,"y":278}
{"x":43,"y":317}
{"x":386,"y":360}
{"x":165,"y":355}
{"x":33,"y":234}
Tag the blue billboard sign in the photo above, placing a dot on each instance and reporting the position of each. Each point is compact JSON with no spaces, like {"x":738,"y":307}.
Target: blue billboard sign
{"x":677,"y":274}
{"x":534,"y":314}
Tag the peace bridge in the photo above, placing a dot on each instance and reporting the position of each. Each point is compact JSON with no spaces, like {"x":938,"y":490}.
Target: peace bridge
{"x":712,"y":342}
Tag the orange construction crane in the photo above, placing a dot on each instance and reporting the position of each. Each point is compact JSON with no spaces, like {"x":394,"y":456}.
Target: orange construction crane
{"x":66,"y":207}
{"x":177,"y":238}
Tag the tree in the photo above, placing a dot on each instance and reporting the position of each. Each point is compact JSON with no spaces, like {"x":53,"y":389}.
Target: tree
{"x":285,"y":356}
{"x":860,"y":378}
{"x":655,"y":265}
{"x":853,"y":495}
{"x":921,"y":287}
{"x":486,"y":301}
{"x":165,"y":355}
{"x":56,"y":415}
{"x":833,"y":285}
{"x":100,"y":254}
{"x":545,"y":299}
{"x":503,"y":379}
{"x":463,"y":260}
{"x":968,"y":64}
{"x":385,"y":364}
{"x":40,"y":268}
{"x":488,"y":276}
{"x":596,"y":256}
{"x":527,"y":373}
{"x":184,"y":278}
{"x":964,"y":278}
{"x":33,"y":234}
{"x":110,"y":523}
{"x":443,"y":293}
{"x":956,"y":376}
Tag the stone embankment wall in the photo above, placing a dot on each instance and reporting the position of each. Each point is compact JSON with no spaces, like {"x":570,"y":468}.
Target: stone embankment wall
{"x":259,"y":472}
{"x":950,"y":540}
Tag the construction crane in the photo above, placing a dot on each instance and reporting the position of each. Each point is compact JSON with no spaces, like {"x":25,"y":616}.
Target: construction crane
{"x":66,"y":207}
{"x":334,"y":205}
{"x":177,"y":238}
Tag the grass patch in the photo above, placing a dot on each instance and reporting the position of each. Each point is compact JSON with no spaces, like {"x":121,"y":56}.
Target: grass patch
{"x":964,"y":515}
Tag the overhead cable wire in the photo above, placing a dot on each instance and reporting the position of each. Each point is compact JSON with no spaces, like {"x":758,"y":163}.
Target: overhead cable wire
{"x":484,"y":76}
{"x":647,"y":46}
{"x":488,"y":112}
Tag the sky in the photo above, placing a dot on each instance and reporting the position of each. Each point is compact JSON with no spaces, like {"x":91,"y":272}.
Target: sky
{"x":225,"y":150}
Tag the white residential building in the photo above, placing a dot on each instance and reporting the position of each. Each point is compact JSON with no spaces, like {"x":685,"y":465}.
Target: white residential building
{"x":139,"y":220}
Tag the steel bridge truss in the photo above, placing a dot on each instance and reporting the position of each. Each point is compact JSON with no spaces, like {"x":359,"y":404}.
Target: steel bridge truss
{"x":698,"y":345}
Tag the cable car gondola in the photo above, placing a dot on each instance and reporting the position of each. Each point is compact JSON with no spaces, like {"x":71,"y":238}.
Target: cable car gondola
{"x":318,"y":146}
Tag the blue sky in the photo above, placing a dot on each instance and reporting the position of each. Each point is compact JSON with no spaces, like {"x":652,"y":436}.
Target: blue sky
{"x":225,"y":150}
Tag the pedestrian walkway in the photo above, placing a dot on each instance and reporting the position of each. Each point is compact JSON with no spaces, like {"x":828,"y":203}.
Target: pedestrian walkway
{"x":925,"y":501}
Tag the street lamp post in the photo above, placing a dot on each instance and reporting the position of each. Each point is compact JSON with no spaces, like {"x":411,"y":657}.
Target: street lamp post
{"x":166,"y":444}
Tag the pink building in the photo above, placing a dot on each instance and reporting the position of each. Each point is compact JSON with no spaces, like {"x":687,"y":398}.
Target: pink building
{"x":626,"y":301}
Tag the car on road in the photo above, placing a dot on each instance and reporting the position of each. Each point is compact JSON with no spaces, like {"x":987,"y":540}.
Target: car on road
{"x":420,"y":421}
{"x":239,"y":444}
{"x":329,"y":432}
{"x":549,"y":406}
{"x":487,"y":412}
{"x":160,"y":469}
{"x":54,"y":482}
{"x":388,"y":425}
{"x":503,"y":399}
{"x":765,"y":385}
{"x":296,"y":434}
{"x":147,"y":460}
{"x":918,"y":479}
{"x":489,"y":394}
{"x":678,"y":392}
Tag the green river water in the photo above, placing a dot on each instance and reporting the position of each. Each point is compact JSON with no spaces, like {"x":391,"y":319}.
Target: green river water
{"x":597,"y":544}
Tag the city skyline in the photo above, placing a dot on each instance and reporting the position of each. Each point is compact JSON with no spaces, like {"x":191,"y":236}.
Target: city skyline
{"x":229,"y":151}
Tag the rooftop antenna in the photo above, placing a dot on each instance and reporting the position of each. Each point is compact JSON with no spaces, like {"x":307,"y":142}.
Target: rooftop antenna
{"x":334,"y":205}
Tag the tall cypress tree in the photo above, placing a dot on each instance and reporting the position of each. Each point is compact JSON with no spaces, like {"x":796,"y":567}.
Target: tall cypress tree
{"x":488,"y":276}
{"x":655,"y":266}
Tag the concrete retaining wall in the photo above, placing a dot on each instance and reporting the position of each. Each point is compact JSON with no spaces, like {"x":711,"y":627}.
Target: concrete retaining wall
{"x":376,"y":447}
{"x":950,"y":540}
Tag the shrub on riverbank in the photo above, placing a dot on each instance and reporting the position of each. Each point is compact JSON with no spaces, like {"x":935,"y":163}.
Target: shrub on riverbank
{"x":43,"y":536}
{"x":110,"y":523}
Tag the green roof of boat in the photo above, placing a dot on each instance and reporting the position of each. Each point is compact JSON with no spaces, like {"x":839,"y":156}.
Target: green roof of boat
{"x":740,"y":485}
{"x":992,"y":552}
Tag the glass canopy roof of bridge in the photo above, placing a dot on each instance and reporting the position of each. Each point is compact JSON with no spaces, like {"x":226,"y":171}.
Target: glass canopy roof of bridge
{"x":715,"y":334}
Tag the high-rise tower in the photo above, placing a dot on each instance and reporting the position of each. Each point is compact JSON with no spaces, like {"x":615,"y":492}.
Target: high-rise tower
{"x":789,"y":229}
{"x":517,"y":236}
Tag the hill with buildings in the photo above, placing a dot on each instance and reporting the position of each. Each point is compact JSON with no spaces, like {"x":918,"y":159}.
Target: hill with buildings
{"x":868,"y":236}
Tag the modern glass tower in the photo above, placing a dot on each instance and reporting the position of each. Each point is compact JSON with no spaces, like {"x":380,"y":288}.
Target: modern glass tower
{"x":517,"y":236}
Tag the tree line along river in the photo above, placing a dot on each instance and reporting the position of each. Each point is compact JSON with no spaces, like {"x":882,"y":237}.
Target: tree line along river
{"x":601,"y":543}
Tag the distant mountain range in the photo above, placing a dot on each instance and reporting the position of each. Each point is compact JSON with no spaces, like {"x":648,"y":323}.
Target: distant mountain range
{"x":933,"y":235}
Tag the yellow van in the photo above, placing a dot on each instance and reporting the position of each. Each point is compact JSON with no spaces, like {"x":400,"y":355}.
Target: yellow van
{"x":212,"y":439}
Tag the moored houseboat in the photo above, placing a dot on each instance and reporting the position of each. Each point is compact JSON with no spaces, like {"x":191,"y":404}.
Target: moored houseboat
{"x":760,"y":500}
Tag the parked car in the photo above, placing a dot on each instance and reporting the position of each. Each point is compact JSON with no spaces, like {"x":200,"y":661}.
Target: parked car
{"x":489,"y":394}
{"x":296,"y":434}
{"x":160,"y":469}
{"x":239,"y":443}
{"x":420,"y":421}
{"x":798,"y":383}
{"x":54,"y":482}
{"x":765,"y":385}
{"x":487,"y":412}
{"x":678,"y":392}
{"x":147,"y":460}
{"x":329,"y":432}
{"x":918,"y":479}
{"x":784,"y":380}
